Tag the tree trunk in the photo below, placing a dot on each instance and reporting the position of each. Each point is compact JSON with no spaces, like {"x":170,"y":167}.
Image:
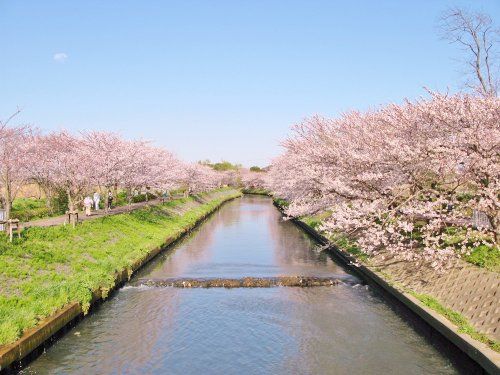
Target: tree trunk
{"x":7,"y":196}
{"x":129,"y":197}
{"x":8,"y":205}
{"x":71,"y":209}
{"x":47,"y":191}
{"x":106,"y":203}
{"x":106,"y":199}
{"x":71,"y":204}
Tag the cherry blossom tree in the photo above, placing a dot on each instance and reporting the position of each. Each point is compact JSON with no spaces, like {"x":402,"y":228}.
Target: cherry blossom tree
{"x":14,"y":147}
{"x":199,"y":178}
{"x":253,"y":180}
{"x":160,"y":170}
{"x":70,"y":166}
{"x":80,"y":164}
{"x":39,"y":157}
{"x":400,"y":177}
{"x":114,"y":160}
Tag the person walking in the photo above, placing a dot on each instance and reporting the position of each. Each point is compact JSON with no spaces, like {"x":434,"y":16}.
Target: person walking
{"x":165,"y":196}
{"x":87,"y":203}
{"x":110,"y":200}
{"x":97,"y":200}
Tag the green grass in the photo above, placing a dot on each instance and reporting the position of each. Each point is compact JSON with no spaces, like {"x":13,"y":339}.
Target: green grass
{"x":282,"y":203}
{"x":346,"y":244}
{"x":121,"y":198}
{"x":49,"y":267}
{"x":339,"y":239}
{"x":26,"y":209}
{"x":256,"y":191}
{"x":485,"y":256}
{"x":459,"y":320}
{"x":314,"y":221}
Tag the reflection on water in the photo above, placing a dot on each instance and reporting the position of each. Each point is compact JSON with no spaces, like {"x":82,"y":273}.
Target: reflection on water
{"x":247,"y":237}
{"x":343,"y":329}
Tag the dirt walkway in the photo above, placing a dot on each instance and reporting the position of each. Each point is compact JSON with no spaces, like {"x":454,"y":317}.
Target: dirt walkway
{"x":59,"y":220}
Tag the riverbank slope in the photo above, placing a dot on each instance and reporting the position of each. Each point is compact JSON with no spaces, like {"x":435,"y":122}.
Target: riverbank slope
{"x":451,"y":325}
{"x":60,"y":269}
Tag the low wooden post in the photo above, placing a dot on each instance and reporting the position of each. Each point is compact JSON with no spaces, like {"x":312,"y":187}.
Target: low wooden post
{"x":11,"y":224}
{"x":72,"y":217}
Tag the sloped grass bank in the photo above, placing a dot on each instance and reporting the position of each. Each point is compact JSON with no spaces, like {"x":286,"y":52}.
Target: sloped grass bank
{"x":50,"y":267}
{"x":256,"y":191}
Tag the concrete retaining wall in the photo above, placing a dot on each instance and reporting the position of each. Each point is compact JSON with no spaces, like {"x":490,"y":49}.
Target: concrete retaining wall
{"x":486,"y":359}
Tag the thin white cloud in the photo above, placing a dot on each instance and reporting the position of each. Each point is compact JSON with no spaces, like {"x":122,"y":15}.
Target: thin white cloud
{"x":60,"y":57}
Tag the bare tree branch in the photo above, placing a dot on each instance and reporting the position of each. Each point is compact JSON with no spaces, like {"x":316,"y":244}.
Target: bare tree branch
{"x":5,"y":122}
{"x":476,"y":34}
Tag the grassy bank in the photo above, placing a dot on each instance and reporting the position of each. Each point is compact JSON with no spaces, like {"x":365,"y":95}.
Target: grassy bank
{"x":256,"y":191}
{"x":50,"y":267}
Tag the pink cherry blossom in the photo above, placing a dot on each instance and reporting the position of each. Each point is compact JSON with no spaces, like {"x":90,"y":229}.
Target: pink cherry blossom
{"x":397,"y":177}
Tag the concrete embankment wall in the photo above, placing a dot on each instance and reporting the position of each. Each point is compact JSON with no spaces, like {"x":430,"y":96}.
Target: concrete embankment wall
{"x":440,"y":331}
{"x":34,"y":340}
{"x":470,"y":355}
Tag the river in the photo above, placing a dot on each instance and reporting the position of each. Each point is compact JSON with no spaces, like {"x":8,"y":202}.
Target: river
{"x":341,"y":329}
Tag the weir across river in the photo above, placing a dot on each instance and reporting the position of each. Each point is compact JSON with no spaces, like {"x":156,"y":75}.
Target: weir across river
{"x":244,"y":282}
{"x":341,"y":328}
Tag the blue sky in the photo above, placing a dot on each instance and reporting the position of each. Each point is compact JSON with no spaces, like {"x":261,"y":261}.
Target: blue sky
{"x":217,"y":79}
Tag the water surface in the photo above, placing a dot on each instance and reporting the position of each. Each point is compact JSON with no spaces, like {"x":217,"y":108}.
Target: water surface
{"x":343,"y":329}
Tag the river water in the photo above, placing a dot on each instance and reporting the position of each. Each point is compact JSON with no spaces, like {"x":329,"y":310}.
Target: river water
{"x":342,"y":329}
